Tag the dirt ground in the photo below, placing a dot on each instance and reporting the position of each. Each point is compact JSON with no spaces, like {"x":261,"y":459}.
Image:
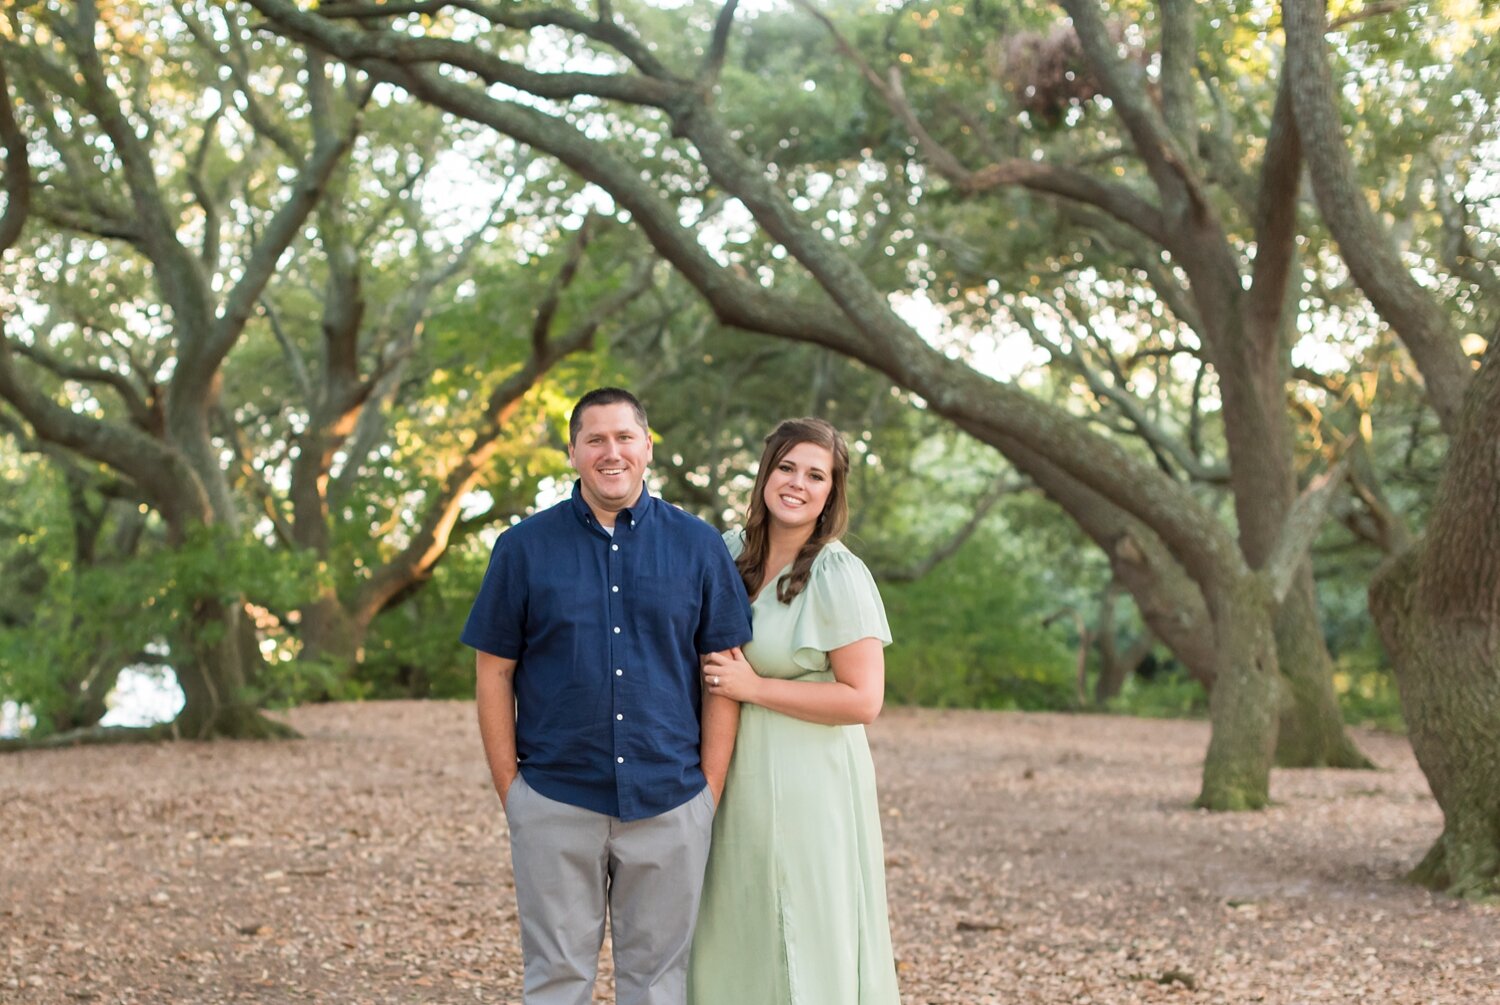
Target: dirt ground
{"x":1031,"y":858}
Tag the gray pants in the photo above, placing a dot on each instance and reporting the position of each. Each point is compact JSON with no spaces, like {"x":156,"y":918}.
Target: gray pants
{"x":570,"y":863}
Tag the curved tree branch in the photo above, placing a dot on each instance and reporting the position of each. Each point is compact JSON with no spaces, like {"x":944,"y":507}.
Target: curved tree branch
{"x":1364,"y":244}
{"x":135,"y":402}
{"x":1062,"y":180}
{"x":863,"y":324}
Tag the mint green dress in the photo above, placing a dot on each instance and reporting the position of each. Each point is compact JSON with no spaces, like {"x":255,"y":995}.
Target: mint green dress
{"x":794,"y":909}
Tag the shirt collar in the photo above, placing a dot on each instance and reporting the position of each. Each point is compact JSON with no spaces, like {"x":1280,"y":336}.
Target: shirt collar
{"x":633,"y":515}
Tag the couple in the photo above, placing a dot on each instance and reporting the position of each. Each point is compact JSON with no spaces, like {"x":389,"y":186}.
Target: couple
{"x":616,"y":676}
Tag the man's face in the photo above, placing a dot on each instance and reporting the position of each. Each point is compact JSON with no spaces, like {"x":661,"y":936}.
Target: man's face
{"x":610,"y":455}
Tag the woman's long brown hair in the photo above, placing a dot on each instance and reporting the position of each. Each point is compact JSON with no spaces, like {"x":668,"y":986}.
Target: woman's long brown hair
{"x":831,"y":522}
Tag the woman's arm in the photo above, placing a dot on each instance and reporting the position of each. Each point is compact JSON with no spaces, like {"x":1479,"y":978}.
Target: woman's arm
{"x":853,"y":697}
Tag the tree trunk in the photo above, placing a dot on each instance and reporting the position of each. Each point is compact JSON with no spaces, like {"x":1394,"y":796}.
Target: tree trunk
{"x":87,"y":695}
{"x":1438,"y":609}
{"x":333,"y":639}
{"x":217,"y":661}
{"x":1252,"y":366}
{"x":1312,"y":732}
{"x":1115,"y":667}
{"x":1242,"y":705}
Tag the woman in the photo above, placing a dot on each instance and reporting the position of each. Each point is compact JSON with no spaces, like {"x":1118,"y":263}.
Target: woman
{"x":794,"y":909}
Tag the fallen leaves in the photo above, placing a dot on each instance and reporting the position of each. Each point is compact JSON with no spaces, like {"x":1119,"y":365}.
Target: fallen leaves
{"x":1030,"y":859}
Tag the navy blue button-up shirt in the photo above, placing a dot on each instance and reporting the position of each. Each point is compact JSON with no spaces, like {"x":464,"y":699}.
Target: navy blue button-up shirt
{"x":606,"y":631}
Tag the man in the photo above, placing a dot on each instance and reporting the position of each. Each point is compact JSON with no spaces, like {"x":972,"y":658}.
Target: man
{"x":589,"y":628}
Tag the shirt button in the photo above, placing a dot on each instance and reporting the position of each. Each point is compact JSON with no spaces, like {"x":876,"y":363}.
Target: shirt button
{"x":614,"y":547}
{"x":618,"y":716}
{"x":619,"y":673}
{"x":617,"y":629}
{"x":619,"y":760}
{"x":614,"y":589}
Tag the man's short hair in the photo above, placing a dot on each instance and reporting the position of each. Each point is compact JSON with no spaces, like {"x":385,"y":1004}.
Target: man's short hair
{"x":604,"y":396}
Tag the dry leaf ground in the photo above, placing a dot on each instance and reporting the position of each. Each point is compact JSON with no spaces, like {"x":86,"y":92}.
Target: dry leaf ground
{"x":1032,"y":858}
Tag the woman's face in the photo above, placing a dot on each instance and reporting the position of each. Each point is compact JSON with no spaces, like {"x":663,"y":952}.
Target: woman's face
{"x":798,"y":487}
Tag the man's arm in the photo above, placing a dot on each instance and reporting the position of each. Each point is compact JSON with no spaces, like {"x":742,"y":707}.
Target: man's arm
{"x":721,"y":723}
{"x":495,"y":694}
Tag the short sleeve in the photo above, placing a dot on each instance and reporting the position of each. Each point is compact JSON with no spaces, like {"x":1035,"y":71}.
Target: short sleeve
{"x":497,"y":621}
{"x":724,"y":620}
{"x":842,"y":606}
{"x":734,"y":540}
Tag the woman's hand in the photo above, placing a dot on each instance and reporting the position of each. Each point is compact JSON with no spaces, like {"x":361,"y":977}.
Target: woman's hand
{"x":729,"y":675}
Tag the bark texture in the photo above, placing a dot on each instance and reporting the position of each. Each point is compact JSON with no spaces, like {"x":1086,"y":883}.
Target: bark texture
{"x":1236,"y":773}
{"x":1438,"y":610}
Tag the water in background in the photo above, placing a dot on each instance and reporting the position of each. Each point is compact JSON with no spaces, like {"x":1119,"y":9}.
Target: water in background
{"x":142,"y":696}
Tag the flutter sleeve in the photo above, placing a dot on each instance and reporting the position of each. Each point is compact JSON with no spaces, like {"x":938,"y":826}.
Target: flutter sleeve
{"x":734,"y":540}
{"x":842,"y":606}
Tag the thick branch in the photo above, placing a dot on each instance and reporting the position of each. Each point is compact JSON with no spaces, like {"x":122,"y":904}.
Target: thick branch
{"x":1054,"y":179}
{"x":546,"y":311}
{"x":1369,"y":10}
{"x":135,"y":402}
{"x":237,"y":61}
{"x":1303,"y":524}
{"x":1179,"y":52}
{"x":1125,"y":84}
{"x":17,"y":169}
{"x":718,"y":49}
{"x":408,"y":50}
{"x":178,"y":272}
{"x":1275,"y":223}
{"x":1170,"y":603}
{"x":92,"y":223}
{"x":1363,"y":242}
{"x":604,"y":30}
{"x":161,"y":473}
{"x":205,"y":198}
{"x":329,"y":148}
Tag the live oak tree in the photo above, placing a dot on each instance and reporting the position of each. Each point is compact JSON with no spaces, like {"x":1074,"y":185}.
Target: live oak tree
{"x":260,"y":273}
{"x":1203,"y":224}
{"x":1437,"y":601}
{"x":87,"y":84}
{"x":557,"y":112}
